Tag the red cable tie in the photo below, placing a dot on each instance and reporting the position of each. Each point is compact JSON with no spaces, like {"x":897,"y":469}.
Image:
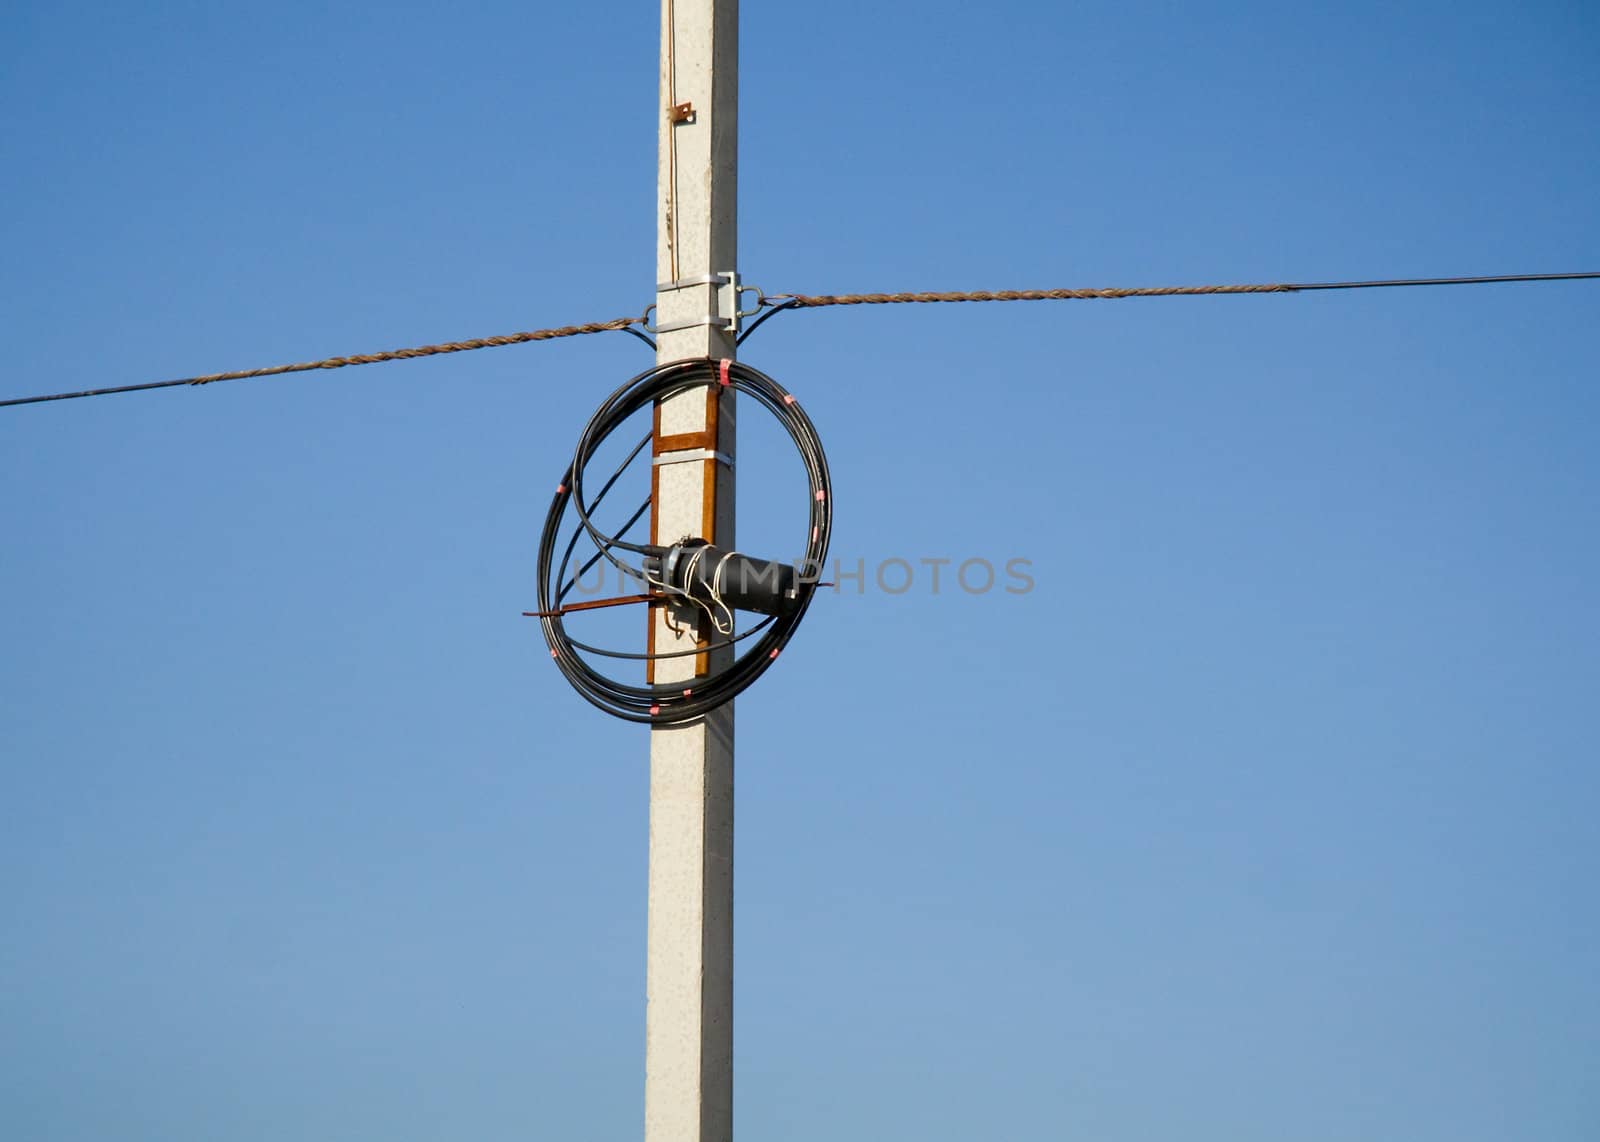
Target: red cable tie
{"x":554,"y":653}
{"x":727,"y":363}
{"x":788,"y":398}
{"x":561,"y":489}
{"x":655,"y":709}
{"x":686,"y":693}
{"x":821,"y":495}
{"x":774,"y":654}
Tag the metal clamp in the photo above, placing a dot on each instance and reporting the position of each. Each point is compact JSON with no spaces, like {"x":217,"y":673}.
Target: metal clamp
{"x":703,"y":279}
{"x":688,"y":455}
{"x":726,"y":299}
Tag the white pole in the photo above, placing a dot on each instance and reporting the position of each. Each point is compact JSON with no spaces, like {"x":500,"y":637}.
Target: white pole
{"x":689,"y":975}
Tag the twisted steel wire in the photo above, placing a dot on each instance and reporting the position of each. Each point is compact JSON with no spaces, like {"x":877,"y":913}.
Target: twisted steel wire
{"x":777,"y":303}
{"x":623,"y":323}
{"x":812,"y":301}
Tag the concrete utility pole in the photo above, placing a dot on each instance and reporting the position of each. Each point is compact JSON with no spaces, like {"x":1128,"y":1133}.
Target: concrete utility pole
{"x":689,"y":978}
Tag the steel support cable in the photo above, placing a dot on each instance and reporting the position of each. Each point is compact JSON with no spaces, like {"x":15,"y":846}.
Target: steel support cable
{"x":815,"y":301}
{"x":670,"y":703}
{"x":777,"y":303}
{"x":620,"y":323}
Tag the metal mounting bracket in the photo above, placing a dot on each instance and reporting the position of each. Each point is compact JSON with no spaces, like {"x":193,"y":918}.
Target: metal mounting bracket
{"x":725,"y":299}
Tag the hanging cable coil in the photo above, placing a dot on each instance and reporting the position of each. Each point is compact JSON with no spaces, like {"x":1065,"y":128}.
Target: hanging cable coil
{"x":690,"y":573}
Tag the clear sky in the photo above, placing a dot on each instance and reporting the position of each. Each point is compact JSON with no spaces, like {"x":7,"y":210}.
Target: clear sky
{"x":1268,"y":814}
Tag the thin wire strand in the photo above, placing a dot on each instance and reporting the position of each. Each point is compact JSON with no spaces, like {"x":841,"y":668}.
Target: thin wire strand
{"x":706,"y":649}
{"x":577,"y":576}
{"x":672,"y":139}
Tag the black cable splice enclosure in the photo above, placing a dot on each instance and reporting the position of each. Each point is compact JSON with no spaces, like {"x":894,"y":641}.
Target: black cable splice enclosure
{"x":711,"y":575}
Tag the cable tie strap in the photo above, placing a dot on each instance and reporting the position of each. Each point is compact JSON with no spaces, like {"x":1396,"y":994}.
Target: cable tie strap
{"x":722,"y":373}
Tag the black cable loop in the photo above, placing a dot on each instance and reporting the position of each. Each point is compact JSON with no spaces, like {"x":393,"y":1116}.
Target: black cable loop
{"x":671,"y":703}
{"x":645,"y":337}
{"x":568,"y":584}
{"x":573,"y":542}
{"x":772,"y":310}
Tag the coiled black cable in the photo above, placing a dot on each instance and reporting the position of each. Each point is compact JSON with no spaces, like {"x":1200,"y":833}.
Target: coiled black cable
{"x":672,"y":703}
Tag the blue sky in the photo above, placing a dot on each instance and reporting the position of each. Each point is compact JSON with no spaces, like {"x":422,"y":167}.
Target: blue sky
{"x":1267,"y":814}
